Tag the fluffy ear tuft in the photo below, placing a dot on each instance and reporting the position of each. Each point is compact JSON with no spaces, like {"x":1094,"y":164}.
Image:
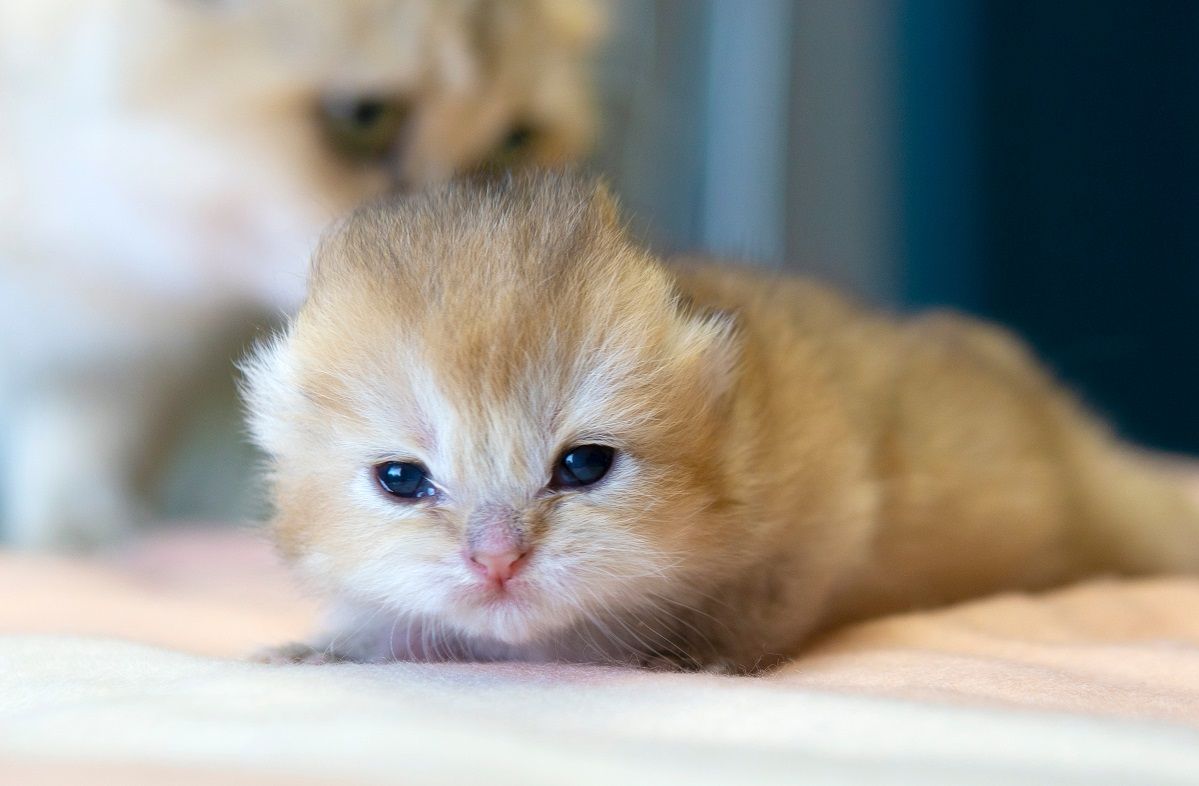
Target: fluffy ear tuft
{"x":604,"y":208}
{"x":270,"y":392}
{"x":713,"y":337}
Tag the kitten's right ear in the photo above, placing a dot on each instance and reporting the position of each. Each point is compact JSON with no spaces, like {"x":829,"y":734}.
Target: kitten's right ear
{"x":271,"y":393}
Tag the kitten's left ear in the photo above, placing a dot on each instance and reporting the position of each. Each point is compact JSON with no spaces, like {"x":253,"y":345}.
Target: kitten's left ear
{"x":713,"y":338}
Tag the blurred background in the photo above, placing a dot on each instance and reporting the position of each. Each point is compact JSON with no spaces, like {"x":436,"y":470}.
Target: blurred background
{"x":1035,"y":163}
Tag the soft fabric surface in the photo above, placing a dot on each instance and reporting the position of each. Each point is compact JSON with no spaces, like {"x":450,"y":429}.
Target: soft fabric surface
{"x":127,"y":669}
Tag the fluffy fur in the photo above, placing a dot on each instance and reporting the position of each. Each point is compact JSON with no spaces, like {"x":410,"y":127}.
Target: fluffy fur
{"x":162,"y":169}
{"x":787,"y":461}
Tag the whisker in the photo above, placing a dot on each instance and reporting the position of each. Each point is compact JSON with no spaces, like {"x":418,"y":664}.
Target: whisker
{"x":331,"y":646}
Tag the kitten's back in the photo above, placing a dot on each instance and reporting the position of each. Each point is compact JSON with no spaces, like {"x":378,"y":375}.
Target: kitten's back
{"x":988,"y":473}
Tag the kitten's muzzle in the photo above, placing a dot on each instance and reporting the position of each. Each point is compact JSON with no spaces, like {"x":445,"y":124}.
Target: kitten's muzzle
{"x":496,"y":568}
{"x":496,"y":547}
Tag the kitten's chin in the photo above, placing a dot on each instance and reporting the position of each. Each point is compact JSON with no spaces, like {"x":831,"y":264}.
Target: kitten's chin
{"x":510,"y":618}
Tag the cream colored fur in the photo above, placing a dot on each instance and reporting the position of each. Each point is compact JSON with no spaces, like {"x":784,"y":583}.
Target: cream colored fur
{"x":787,"y":460}
{"x":162,"y":172}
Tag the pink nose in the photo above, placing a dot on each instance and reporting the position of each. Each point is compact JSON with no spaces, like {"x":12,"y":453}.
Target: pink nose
{"x":497,"y":566}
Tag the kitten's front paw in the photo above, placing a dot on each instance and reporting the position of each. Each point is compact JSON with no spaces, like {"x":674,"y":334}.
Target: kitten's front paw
{"x":297,"y":652}
{"x":686,"y":662}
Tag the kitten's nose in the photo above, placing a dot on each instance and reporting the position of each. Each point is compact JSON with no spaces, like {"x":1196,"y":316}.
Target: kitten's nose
{"x":497,"y":566}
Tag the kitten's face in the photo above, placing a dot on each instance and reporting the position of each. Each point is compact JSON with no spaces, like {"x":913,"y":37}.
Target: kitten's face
{"x":479,"y":375}
{"x":183,"y":139}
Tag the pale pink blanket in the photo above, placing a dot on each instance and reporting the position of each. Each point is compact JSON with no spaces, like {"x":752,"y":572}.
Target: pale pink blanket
{"x":1085,"y":684}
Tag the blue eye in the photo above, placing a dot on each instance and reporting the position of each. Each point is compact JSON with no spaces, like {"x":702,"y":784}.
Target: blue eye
{"x":405,"y":479}
{"x":583,"y":465}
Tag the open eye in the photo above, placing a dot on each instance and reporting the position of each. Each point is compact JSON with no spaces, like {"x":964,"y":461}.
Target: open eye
{"x":519,"y":138}
{"x":513,"y":147}
{"x":363,"y":128}
{"x":404,"y":479}
{"x":582,"y":465}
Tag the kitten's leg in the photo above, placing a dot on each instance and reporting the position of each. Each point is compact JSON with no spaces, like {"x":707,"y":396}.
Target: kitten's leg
{"x":671,"y":662}
{"x":351,"y":632}
{"x":370,"y":634}
{"x":298,"y":652}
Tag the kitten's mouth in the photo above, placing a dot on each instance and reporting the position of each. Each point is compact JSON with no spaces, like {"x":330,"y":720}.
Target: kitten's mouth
{"x":514,"y":612}
{"x":498,"y":595}
{"x":511,"y":596}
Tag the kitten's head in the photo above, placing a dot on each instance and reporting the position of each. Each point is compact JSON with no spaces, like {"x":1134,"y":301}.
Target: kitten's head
{"x":203,"y":145}
{"x":496,"y":412}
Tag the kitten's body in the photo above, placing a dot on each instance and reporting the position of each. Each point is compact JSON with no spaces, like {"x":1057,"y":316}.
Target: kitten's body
{"x":164,"y":169}
{"x":786,"y":460}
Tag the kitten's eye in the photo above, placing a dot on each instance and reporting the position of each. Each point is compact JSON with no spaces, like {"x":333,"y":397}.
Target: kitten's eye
{"x":363,"y":128}
{"x":582,"y":465}
{"x":405,"y":479}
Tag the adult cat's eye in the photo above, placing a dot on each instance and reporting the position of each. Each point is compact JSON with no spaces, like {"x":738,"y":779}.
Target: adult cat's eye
{"x":404,"y":479}
{"x":519,"y":138}
{"x":363,"y":128}
{"x":582,"y":465}
{"x":515,"y":145}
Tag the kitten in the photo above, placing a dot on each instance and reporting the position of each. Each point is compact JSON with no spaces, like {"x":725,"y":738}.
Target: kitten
{"x":500,"y":429}
{"x":164,"y":165}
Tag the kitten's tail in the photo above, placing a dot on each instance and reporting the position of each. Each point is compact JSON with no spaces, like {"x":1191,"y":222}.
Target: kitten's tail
{"x":1141,"y":511}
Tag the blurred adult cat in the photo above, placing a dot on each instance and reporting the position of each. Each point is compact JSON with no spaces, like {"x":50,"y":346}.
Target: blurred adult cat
{"x":166,"y":166}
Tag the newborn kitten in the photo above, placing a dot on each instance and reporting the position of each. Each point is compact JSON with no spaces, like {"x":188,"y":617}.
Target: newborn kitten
{"x":500,"y":429}
{"x":166,"y":164}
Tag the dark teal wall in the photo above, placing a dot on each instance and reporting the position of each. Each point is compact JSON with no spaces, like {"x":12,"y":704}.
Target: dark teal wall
{"x":1050,"y":180}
